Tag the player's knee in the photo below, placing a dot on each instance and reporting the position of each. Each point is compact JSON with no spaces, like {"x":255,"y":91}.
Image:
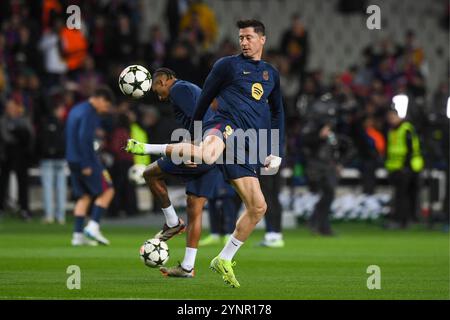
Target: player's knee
{"x":209,"y":156}
{"x":258,"y":211}
{"x":148,"y":175}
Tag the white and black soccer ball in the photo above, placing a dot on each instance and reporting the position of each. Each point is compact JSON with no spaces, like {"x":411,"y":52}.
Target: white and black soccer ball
{"x":154,"y":253}
{"x":136,"y":174}
{"x":135,"y":81}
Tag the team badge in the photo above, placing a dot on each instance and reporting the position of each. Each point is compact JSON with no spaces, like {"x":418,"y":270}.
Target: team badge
{"x":257,"y":91}
{"x":266,"y":75}
{"x":228,"y":131}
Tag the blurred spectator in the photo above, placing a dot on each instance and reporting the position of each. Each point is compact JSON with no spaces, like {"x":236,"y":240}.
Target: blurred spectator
{"x":295,"y":45}
{"x":124,"y":200}
{"x":89,"y":78}
{"x":371,"y":146}
{"x":174,"y":11}
{"x":54,"y":64}
{"x":51,"y":142}
{"x":199,"y":24}
{"x":180,"y":59}
{"x":290,"y":86}
{"x":100,"y":39}
{"x":403,"y":161}
{"x":16,"y":136}
{"x":156,"y":49}
{"x":74,"y":47}
{"x":125,"y":41}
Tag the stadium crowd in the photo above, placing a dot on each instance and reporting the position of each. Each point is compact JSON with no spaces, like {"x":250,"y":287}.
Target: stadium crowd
{"x":46,"y":68}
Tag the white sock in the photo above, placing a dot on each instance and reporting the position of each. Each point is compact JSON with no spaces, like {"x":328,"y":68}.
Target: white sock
{"x":230,"y":248}
{"x":189,"y":258}
{"x":273,"y":236}
{"x":93,"y":225}
{"x":171,"y":216}
{"x":159,"y":149}
{"x":77,"y":235}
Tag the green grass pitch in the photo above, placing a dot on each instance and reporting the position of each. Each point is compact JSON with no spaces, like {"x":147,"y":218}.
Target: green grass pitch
{"x":414,"y":265}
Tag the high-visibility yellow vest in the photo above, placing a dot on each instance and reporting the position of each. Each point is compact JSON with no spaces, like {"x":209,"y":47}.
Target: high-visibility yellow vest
{"x":397,"y":149}
{"x":139,"y":134}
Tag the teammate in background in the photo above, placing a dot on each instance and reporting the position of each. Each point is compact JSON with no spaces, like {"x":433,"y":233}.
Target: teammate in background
{"x":89,"y":178}
{"x":248,"y":93}
{"x":201,"y":179}
{"x":223,"y":209}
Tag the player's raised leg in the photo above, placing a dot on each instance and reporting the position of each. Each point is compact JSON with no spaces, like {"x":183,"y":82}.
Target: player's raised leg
{"x":250,"y":192}
{"x":185,"y":269}
{"x":207,"y":152}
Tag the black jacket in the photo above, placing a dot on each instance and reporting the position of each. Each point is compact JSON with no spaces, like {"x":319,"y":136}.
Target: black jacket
{"x":51,"y":139}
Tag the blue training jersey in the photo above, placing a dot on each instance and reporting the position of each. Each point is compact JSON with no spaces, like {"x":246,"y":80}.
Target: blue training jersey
{"x":81,"y":124}
{"x":248,"y":94}
{"x":184,"y":96}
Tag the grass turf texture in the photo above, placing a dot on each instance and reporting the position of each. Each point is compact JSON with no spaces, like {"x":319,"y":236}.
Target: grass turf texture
{"x":414,"y":265}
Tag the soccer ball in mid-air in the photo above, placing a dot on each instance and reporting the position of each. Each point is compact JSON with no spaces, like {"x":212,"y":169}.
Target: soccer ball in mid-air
{"x":136,"y":174}
{"x":135,"y":81}
{"x":154,"y":253}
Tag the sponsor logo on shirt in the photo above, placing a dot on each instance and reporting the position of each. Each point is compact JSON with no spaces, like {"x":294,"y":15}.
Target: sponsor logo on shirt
{"x":257,"y":91}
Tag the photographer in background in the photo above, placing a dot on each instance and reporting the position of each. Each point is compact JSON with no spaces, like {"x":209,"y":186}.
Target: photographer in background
{"x":321,"y":161}
{"x":16,"y":136}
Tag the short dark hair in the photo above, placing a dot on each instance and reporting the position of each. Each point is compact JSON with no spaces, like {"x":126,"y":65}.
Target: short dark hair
{"x":169,"y":73}
{"x":257,"y":25}
{"x":104,"y":92}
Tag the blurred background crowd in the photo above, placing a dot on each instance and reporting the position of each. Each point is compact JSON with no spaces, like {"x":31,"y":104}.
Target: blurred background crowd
{"x":46,"y":68}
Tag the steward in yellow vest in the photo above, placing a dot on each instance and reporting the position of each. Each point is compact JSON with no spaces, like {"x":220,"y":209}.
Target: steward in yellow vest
{"x":403,"y":161}
{"x":403,"y":148}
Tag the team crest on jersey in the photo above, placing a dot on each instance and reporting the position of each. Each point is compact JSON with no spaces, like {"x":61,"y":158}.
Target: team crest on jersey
{"x":228,"y":131}
{"x":266,"y":75}
{"x":257,"y":91}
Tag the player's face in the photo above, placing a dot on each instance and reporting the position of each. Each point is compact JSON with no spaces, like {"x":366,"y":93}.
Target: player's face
{"x":103,"y":105}
{"x":161,"y":88}
{"x":251,"y":43}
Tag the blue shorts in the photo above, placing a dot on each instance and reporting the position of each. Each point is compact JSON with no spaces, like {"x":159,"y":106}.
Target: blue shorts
{"x":224,"y":130}
{"x":200,"y":181}
{"x":94,"y":185}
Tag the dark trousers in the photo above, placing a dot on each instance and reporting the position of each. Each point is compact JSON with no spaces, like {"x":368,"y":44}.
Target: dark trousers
{"x":322,"y":179}
{"x":125,"y":192}
{"x":368,"y":178}
{"x":405,"y":201}
{"x":271,"y":186}
{"x":223,"y":214}
{"x":20,"y":166}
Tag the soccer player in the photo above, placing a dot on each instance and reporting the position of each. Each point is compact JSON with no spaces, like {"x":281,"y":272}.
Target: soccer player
{"x":89,"y":178}
{"x":248,"y":93}
{"x":200,"y":179}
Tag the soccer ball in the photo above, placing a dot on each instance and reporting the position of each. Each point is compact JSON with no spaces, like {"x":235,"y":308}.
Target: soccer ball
{"x":136,"y":174}
{"x":135,"y":81}
{"x":154,"y":253}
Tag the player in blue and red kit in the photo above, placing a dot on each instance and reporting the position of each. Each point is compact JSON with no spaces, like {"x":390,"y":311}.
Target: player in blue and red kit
{"x":89,"y":179}
{"x":248,"y":93}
